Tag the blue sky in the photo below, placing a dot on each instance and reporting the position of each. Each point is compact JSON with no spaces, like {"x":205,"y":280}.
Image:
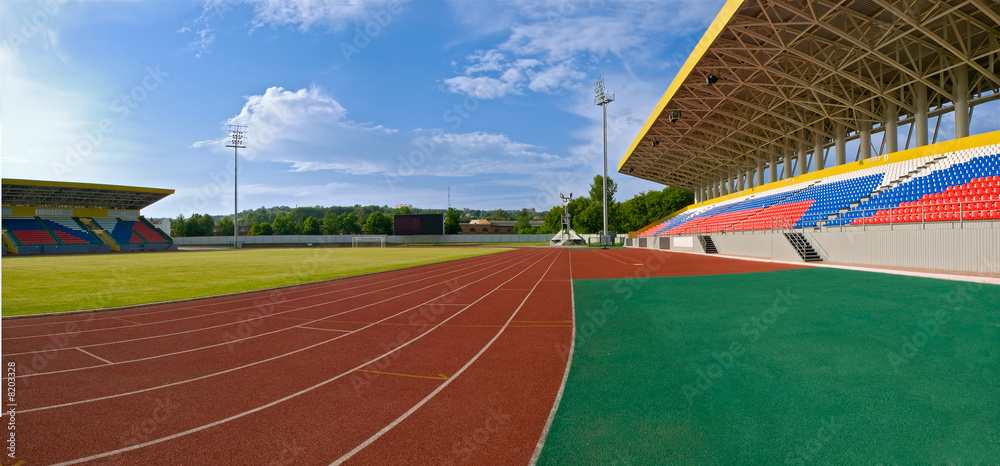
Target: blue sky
{"x":357,"y":101}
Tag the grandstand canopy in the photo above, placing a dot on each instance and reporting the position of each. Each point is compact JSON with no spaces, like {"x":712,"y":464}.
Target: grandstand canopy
{"x":18,"y":193}
{"x":789,"y":70}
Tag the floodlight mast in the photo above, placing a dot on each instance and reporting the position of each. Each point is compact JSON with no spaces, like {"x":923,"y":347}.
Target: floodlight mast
{"x":602,"y":98}
{"x":237,"y":140}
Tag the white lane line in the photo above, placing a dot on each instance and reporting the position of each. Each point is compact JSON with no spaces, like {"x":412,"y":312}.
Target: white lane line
{"x":206,"y":376}
{"x":475,"y":272}
{"x":562,"y":386}
{"x":326,"y":329}
{"x":407,"y":279}
{"x":444,"y":384}
{"x":88,"y":353}
{"x":286,"y":398}
{"x":609,"y":256}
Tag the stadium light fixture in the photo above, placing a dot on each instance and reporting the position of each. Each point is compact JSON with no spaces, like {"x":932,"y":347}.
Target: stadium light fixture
{"x":602,"y":98}
{"x":674,"y":116}
{"x":237,"y":140}
{"x":711,"y":79}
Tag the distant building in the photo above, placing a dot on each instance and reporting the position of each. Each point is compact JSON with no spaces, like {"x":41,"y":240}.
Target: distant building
{"x":481,"y":226}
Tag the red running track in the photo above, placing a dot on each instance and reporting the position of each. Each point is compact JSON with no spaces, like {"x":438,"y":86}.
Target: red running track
{"x":453,"y":363}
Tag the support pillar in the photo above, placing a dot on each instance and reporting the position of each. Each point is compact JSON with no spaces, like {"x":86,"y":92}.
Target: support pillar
{"x":819,"y":160}
{"x":786,"y":157}
{"x":865,"y":128}
{"x":840,"y":142}
{"x":961,"y":91}
{"x":748,"y":178}
{"x":891,"y":136}
{"x":760,"y":173}
{"x":921,"y":116}
{"x":803,"y":161}
{"x":772,"y":169}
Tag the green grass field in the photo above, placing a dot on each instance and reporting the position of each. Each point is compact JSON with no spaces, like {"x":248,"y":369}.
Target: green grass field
{"x":810,"y":366}
{"x":41,"y":284}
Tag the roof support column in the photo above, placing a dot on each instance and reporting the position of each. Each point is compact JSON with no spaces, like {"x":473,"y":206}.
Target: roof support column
{"x":697,"y":195}
{"x":772,"y":168}
{"x":733,"y":182}
{"x":961,"y":101}
{"x":891,"y":136}
{"x":803,"y":161}
{"x":840,"y":142}
{"x":760,"y":173}
{"x":786,"y":163}
{"x":819,"y":159}
{"x":748,"y":178}
{"x":865,"y":142}
{"x":921,"y":117}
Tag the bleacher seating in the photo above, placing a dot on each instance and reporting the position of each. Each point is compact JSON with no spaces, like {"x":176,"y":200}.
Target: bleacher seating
{"x":951,"y":187}
{"x":28,"y":231}
{"x":145,"y":231}
{"x":118,"y":230}
{"x":68,"y":231}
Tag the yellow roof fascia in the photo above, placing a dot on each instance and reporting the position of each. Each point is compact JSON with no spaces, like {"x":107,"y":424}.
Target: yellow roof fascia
{"x":718,"y":25}
{"x":63,"y":184}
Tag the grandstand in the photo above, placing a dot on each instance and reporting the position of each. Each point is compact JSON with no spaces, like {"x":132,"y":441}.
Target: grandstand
{"x":759,"y":120}
{"x":48,"y":217}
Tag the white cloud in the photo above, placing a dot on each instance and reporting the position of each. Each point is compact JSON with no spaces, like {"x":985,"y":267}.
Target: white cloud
{"x":481,"y":87}
{"x":555,"y":77}
{"x":305,"y":14}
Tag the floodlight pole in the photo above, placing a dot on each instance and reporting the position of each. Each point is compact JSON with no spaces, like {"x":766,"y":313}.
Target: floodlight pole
{"x":602,"y":98}
{"x":237,"y":133}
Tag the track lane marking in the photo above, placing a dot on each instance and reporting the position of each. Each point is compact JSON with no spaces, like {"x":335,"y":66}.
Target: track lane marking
{"x":441,"y":387}
{"x":293,"y":395}
{"x":88,"y":353}
{"x":477,"y":270}
{"x":326,"y":329}
{"x":206,"y":376}
{"x":436,"y":377}
{"x":403,"y":279}
{"x":319,"y":284}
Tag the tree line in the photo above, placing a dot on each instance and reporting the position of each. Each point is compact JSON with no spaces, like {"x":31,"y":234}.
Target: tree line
{"x":586,"y":211}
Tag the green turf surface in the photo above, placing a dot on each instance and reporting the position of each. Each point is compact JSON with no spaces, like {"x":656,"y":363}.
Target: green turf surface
{"x":809,"y":366}
{"x":41,"y":284}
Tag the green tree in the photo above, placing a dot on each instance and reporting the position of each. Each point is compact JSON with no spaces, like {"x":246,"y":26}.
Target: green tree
{"x":284,"y":225}
{"x":552,"y":220}
{"x":178,"y":227}
{"x":498,"y":215}
{"x":595,"y":190}
{"x":330,"y":224}
{"x":404,"y":210}
{"x":588,"y":216}
{"x":310,"y":226}
{"x":224,"y":227}
{"x":378,"y":224}
{"x":452,"y":221}
{"x":261,"y":229}
{"x":199,"y":225}
{"x":349,"y":224}
{"x":523,"y":225}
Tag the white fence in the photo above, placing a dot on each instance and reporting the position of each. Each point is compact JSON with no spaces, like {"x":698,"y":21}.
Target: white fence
{"x":346,"y":239}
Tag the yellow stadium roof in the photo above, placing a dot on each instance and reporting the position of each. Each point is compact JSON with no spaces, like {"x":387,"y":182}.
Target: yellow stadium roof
{"x":784,"y":66}
{"x":35,"y":193}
